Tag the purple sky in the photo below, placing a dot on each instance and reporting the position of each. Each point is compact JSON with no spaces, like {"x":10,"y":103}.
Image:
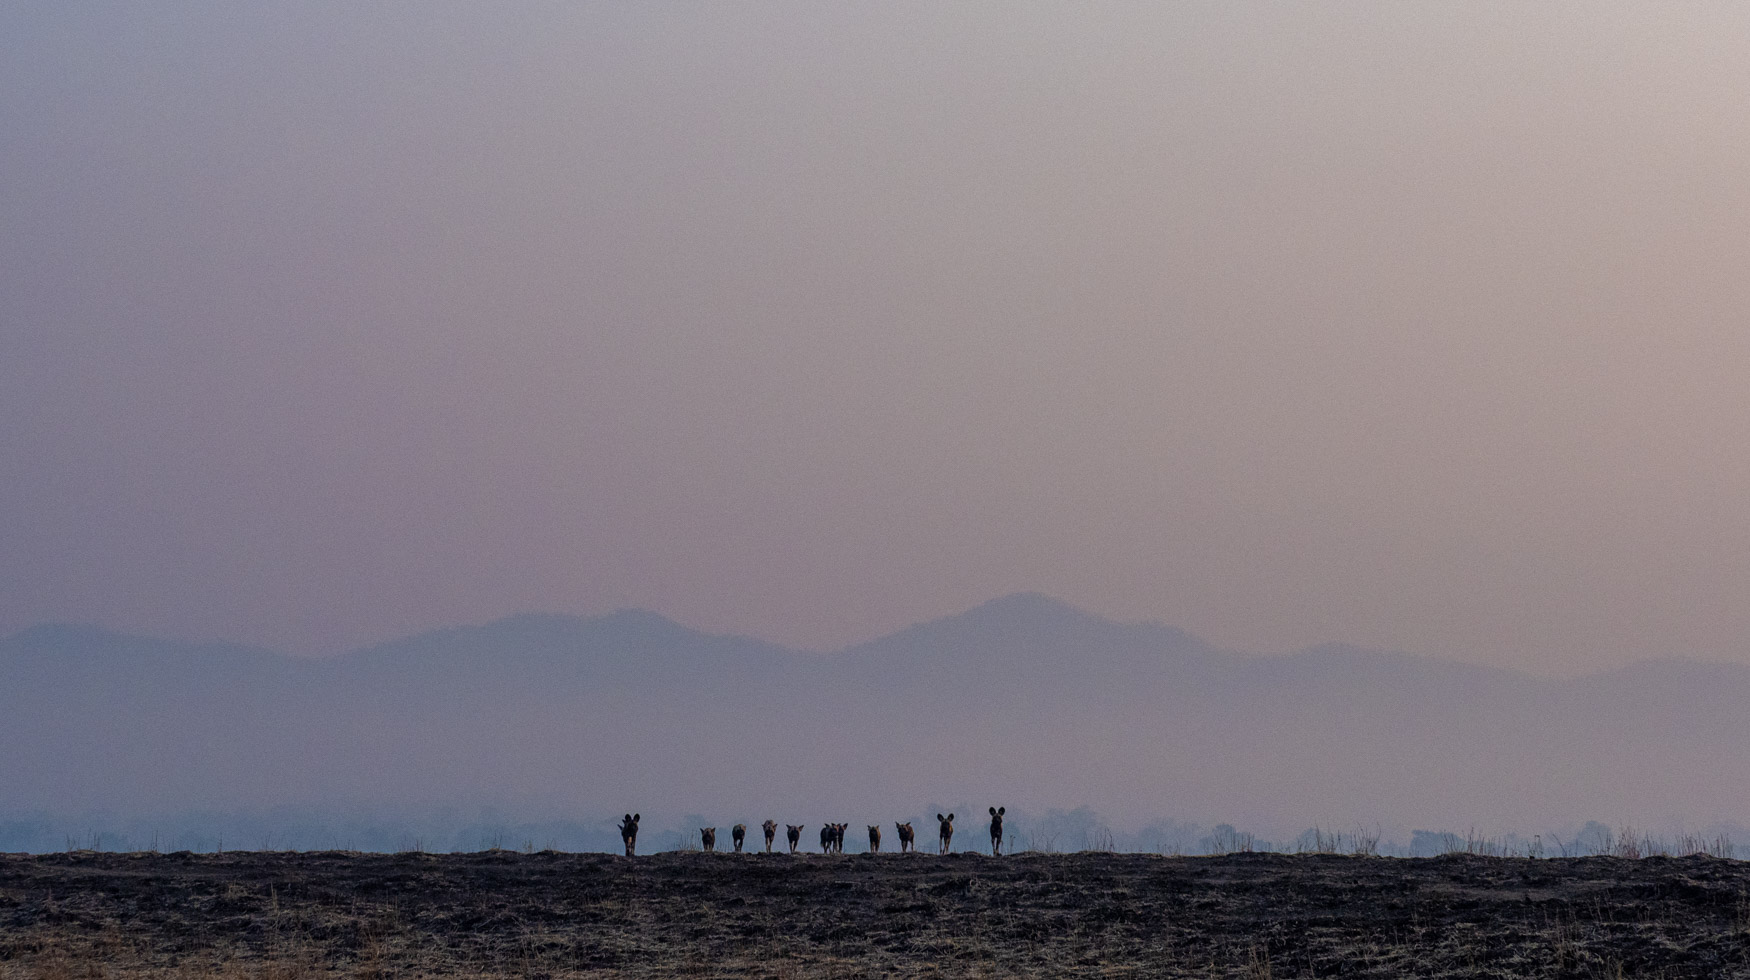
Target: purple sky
{"x":1415,"y":326}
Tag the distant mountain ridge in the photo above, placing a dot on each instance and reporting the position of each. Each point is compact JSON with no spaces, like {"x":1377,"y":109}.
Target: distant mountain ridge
{"x":1023,"y":699}
{"x":1022,"y":616}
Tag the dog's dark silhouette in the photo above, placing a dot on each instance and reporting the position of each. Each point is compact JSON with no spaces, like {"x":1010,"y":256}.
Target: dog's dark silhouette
{"x":738,"y":833}
{"x":771,"y":829}
{"x":832,"y":838}
{"x":793,"y":834}
{"x":708,"y":837}
{"x":874,"y":839}
{"x":996,"y":829}
{"x":629,"y":832}
{"x":906,"y":837}
{"x":945,"y":827}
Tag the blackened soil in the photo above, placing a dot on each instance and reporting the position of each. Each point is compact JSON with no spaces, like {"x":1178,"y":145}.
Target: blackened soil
{"x":281,"y":916}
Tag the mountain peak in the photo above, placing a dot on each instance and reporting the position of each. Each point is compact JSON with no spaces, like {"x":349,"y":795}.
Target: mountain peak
{"x":1001,"y":620}
{"x":1025,"y":608}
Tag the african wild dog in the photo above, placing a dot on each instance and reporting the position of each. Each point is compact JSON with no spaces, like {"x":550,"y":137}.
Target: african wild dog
{"x":738,"y":833}
{"x":905,"y":837}
{"x":996,"y":829}
{"x":874,"y":839}
{"x":946,"y":825}
{"x":708,"y":836}
{"x":832,"y":838}
{"x":793,"y":834}
{"x":629,"y":832}
{"x":771,"y":829}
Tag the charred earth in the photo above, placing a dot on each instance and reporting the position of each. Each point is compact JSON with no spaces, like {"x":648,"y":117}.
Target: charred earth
{"x":552,"y":915}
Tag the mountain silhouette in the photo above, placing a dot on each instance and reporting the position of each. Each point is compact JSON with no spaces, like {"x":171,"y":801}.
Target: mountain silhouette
{"x":1024,"y":699}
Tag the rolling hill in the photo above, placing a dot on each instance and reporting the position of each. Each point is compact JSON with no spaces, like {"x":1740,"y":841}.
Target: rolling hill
{"x":1023,"y":699}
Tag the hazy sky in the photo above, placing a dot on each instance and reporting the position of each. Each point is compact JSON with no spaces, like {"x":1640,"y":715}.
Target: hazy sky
{"x":1423,"y":326}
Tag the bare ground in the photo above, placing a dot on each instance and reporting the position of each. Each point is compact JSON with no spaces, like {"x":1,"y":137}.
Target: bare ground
{"x":289,"y":916}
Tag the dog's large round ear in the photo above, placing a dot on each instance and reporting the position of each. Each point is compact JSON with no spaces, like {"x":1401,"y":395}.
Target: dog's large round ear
{"x":950,"y":816}
{"x":635,"y":818}
{"x":940,"y":817}
{"x":993,"y":811}
{"x":1002,"y":810}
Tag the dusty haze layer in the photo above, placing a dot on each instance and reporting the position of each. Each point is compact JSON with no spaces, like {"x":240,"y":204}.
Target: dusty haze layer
{"x":1022,"y":701}
{"x":1412,"y":327}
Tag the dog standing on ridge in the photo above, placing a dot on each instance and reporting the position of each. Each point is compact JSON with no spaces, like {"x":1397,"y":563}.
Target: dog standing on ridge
{"x":629,"y":832}
{"x":906,"y":837}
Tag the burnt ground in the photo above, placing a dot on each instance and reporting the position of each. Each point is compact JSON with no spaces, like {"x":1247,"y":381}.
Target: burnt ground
{"x":285,"y":916}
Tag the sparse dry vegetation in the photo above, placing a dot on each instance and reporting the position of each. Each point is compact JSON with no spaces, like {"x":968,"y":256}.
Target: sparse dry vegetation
{"x":285,"y":916}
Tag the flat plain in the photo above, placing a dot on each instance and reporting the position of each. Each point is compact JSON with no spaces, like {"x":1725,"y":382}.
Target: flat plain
{"x":289,"y":916}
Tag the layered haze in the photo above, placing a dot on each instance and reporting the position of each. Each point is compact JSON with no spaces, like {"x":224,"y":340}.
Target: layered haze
{"x":1412,"y":327}
{"x":1023,"y":701}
